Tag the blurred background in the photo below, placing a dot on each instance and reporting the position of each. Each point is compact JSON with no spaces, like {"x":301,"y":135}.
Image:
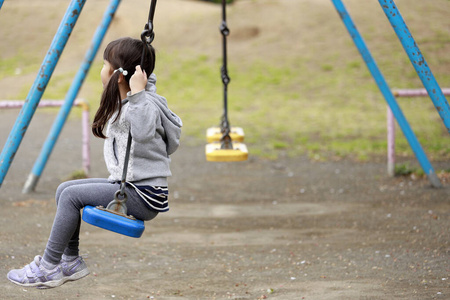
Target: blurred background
{"x":298,"y":84}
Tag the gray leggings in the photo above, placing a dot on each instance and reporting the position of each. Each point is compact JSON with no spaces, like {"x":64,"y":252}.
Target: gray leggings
{"x":71,"y":197}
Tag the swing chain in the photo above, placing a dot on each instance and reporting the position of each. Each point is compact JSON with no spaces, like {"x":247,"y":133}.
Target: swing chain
{"x":118,"y":205}
{"x":224,"y":28}
{"x":225,"y":32}
{"x":225,"y":78}
{"x":226,"y":142}
{"x":122,"y":189}
{"x":147,"y":35}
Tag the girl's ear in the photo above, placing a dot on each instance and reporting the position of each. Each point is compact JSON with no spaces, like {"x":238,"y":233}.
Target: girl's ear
{"x":121,"y":78}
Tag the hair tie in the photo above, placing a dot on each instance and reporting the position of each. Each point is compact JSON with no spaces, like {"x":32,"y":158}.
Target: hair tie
{"x":124,"y":72}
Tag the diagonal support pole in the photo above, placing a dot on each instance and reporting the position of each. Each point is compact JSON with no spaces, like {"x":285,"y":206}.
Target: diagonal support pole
{"x":34,"y":96}
{"x":60,"y":120}
{"x":418,"y":61}
{"x":387,"y":93}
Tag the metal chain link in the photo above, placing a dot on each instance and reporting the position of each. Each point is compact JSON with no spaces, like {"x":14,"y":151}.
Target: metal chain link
{"x":147,"y":37}
{"x":225,"y":124}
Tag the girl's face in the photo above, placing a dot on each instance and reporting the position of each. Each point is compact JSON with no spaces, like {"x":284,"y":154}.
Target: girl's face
{"x":106,"y":73}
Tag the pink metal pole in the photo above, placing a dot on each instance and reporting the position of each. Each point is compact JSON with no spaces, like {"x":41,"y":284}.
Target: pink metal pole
{"x":391,"y":123}
{"x":85,"y":136}
{"x":19,"y":104}
{"x":391,"y":143}
{"x":86,"y":153}
{"x":417,"y":92}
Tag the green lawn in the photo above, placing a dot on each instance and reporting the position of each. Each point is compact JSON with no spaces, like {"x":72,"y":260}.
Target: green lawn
{"x":296,"y":88}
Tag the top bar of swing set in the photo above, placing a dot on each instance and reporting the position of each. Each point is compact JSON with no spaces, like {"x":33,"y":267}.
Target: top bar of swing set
{"x":387,"y":93}
{"x":45,"y":72}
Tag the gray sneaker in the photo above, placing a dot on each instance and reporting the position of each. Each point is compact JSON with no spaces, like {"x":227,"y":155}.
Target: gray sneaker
{"x":74,"y":270}
{"x":35,"y":275}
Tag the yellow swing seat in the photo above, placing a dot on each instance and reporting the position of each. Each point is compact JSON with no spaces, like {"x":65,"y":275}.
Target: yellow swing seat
{"x":215,"y":153}
{"x":214,"y":134}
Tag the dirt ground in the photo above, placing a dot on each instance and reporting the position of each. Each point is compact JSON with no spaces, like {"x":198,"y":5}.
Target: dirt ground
{"x":284,"y":229}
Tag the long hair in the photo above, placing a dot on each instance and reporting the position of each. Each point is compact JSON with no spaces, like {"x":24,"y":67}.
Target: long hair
{"x":123,"y":53}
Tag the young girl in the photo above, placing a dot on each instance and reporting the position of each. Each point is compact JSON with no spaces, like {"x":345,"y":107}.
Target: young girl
{"x":129,"y":102}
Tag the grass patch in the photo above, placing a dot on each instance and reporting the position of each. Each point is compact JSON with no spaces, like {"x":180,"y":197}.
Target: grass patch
{"x":19,"y":64}
{"x":280,"y":110}
{"x":77,"y":174}
{"x":311,"y":97}
{"x":407,"y":170}
{"x":283,"y":111}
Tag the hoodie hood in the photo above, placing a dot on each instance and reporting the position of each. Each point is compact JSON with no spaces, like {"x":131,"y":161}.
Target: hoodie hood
{"x":170,"y":121}
{"x":151,"y":84}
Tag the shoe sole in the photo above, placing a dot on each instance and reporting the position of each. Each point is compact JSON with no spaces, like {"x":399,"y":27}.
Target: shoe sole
{"x":73,"y":277}
{"x":54,"y":283}
{"x":77,"y":275}
{"x":41,"y":285}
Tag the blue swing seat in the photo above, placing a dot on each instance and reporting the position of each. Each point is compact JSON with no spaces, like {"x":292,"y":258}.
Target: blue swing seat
{"x":110,"y":221}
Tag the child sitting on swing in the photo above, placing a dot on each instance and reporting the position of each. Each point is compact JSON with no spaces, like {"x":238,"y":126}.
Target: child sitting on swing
{"x":129,"y":102}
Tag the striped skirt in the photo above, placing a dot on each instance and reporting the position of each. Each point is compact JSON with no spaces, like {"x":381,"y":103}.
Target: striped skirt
{"x":156,"y":197}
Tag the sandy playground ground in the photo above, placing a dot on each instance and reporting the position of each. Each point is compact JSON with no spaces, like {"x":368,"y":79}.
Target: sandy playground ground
{"x":284,"y":229}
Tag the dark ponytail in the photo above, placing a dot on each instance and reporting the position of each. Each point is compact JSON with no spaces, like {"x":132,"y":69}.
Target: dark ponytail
{"x":123,"y":53}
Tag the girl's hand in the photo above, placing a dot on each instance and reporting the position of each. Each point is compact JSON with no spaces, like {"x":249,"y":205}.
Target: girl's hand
{"x":138,"y":81}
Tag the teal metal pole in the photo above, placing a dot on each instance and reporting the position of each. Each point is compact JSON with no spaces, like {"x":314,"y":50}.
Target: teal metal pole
{"x":34,"y":96}
{"x":418,"y":61}
{"x":1,"y":3}
{"x":52,"y":137}
{"x":386,"y":91}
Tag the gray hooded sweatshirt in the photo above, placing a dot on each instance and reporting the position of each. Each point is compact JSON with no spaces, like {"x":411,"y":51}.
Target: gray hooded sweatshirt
{"x":155,"y":132}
